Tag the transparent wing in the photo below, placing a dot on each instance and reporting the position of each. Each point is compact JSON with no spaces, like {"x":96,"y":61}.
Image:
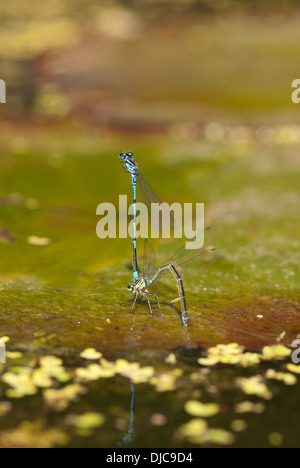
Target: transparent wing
{"x":149,"y":197}
{"x":185,"y":260}
{"x":149,"y":260}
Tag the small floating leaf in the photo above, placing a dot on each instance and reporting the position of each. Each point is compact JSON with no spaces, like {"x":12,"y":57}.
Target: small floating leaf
{"x":85,"y":424}
{"x":38,"y":241}
{"x":220,"y":437}
{"x":93,"y":372}
{"x":275,"y":351}
{"x":196,"y":408}
{"x":13,"y":355}
{"x":91,"y":354}
{"x":255,"y":386}
{"x":59,"y":399}
{"x":171,"y":359}
{"x":249,"y":407}
{"x":293,"y":368}
{"x":194,"y":431}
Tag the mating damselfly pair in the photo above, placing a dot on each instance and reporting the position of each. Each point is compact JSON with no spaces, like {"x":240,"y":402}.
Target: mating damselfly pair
{"x":202,"y":257}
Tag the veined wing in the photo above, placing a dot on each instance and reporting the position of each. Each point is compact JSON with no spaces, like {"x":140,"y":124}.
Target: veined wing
{"x":149,"y":260}
{"x":185,"y":259}
{"x":149,"y":197}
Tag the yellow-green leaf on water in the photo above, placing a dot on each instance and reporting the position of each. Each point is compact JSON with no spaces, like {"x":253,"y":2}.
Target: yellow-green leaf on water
{"x":21,"y":384}
{"x":91,"y":354}
{"x":4,"y":339}
{"x":171,"y":359}
{"x":275,"y":352}
{"x":93,"y":372}
{"x":86,"y":423}
{"x":166,"y":381}
{"x":293,"y":368}
{"x":50,"y":361}
{"x":209,"y":361}
{"x":13,"y":355}
{"x":220,"y":437}
{"x":196,"y":408}
{"x":255,"y":386}
{"x":33,"y":434}
{"x":59,"y":399}
{"x":249,"y":407}
{"x":52,"y":366}
{"x":288,"y":379}
{"x":194,"y":431}
{"x":232,"y":354}
{"x":41,"y":379}
{"x":38,"y":241}
{"x":133,"y":371}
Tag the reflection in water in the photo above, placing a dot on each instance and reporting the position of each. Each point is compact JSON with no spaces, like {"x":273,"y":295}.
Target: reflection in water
{"x":129,"y":436}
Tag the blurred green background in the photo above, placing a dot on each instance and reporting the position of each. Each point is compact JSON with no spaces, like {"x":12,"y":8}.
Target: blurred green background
{"x":200,"y":91}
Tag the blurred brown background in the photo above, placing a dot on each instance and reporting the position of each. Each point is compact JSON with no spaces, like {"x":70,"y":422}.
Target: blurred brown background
{"x":143,"y":65}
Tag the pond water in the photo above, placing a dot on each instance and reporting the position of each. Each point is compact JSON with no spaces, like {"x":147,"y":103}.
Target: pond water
{"x":146,"y":381}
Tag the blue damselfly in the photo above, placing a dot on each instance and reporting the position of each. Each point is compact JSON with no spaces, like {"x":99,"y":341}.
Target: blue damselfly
{"x":182,"y":259}
{"x":149,"y":197}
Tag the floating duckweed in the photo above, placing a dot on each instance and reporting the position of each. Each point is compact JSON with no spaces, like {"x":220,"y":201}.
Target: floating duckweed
{"x":134,"y":372}
{"x":275,"y":352}
{"x":4,"y":339}
{"x":255,"y":386}
{"x":91,"y":354}
{"x":60,"y":399}
{"x":50,"y":361}
{"x":235,"y":354}
{"x":229,"y":354}
{"x":225,"y":350}
{"x":33,"y":434}
{"x":93,"y":372}
{"x":171,"y":359}
{"x":107,"y":364}
{"x":13,"y":355}
{"x":21,"y":384}
{"x":86,"y":424}
{"x":293,"y":368}
{"x":52,"y":366}
{"x":38,"y":241}
{"x":249,"y":359}
{"x":249,"y":407}
{"x":165,"y":382}
{"x":41,"y":379}
{"x":201,"y":410}
{"x":194,"y":431}
{"x":209,"y":361}
{"x":220,"y":437}
{"x":288,"y":379}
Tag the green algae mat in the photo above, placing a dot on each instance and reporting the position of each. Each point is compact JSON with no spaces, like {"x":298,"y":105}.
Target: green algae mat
{"x":81,"y":369}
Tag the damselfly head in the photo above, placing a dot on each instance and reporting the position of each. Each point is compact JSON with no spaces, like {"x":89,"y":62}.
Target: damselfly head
{"x":124,"y":156}
{"x":130,"y":288}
